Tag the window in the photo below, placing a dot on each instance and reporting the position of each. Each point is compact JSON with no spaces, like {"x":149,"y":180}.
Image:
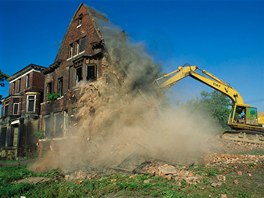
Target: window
{"x":14,"y":87}
{"x":15,"y":106}
{"x":5,"y":109}
{"x":82,"y":44}
{"x":31,"y":103}
{"x":91,"y":72}
{"x":60,"y":86}
{"x":79,"y":20}
{"x":27,"y":81}
{"x":70,"y":50}
{"x":18,"y":85}
{"x":79,"y":74}
{"x":75,"y":48}
{"x":49,"y":88}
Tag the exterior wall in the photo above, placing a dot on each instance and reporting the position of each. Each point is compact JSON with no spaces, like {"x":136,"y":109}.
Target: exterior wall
{"x":17,"y":132}
{"x":58,"y":115}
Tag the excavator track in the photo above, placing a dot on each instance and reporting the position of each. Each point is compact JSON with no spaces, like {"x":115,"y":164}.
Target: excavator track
{"x":244,"y":136}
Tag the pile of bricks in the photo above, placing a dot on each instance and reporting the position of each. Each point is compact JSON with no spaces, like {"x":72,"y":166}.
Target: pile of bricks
{"x":172,"y":172}
{"x":225,"y":159}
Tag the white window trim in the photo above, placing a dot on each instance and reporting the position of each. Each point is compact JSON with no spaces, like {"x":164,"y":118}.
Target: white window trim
{"x":78,"y":50}
{"x":32,"y":70}
{"x":17,"y":108}
{"x":34,"y":107}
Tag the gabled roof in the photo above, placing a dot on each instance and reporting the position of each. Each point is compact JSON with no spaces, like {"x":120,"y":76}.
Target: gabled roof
{"x":92,"y":14}
{"x":26,"y":69}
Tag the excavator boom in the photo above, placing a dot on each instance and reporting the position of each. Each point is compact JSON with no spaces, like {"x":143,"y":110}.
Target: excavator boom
{"x":246,"y":125}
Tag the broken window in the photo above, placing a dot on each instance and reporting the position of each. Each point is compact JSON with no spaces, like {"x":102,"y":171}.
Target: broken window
{"x":82,"y":44}
{"x":60,"y":86}
{"x":79,"y":74}
{"x":31,"y":103}
{"x":91,"y":72}
{"x":27,"y":81}
{"x":79,"y":20}
{"x":49,"y":88}
{"x":70,"y":52}
{"x":15,"y":106}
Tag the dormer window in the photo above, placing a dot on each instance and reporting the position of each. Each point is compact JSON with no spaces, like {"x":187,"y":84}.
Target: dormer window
{"x":79,"y":20}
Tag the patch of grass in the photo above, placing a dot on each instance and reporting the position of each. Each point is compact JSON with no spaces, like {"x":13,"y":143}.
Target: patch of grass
{"x":125,"y":185}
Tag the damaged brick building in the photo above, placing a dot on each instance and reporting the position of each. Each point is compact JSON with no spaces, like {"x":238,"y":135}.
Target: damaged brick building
{"x":19,"y":121}
{"x":79,"y":58}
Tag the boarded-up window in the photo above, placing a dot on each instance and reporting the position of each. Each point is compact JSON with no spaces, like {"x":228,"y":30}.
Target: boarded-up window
{"x":31,"y":101}
{"x":82,"y":44}
{"x":91,"y":72}
{"x":48,"y":126}
{"x":59,"y":119}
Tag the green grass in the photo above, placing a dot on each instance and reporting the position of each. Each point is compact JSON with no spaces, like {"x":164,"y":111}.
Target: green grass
{"x":125,"y":185}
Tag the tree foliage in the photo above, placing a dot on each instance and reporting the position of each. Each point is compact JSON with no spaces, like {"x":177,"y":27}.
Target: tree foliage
{"x":3,"y":77}
{"x":215,"y":104}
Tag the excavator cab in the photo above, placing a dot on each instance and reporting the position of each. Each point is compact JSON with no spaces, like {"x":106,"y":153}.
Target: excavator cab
{"x":243,"y":114}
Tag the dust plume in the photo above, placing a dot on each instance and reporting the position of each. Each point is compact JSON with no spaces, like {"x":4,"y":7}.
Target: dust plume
{"x":124,"y":114}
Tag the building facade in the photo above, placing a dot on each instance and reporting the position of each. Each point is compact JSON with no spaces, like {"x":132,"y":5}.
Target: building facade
{"x":19,"y":121}
{"x":79,"y":58}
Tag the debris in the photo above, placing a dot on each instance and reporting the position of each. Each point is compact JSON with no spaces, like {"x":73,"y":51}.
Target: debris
{"x":166,"y":169}
{"x":215,"y":184}
{"x":146,"y":181}
{"x":235,"y":182}
{"x":221,"y":177}
{"x":223,"y":196}
{"x":34,"y":180}
{"x":239,"y":173}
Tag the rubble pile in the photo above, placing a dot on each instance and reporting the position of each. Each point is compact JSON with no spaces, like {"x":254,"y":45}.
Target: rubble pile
{"x":225,"y":159}
{"x":170,"y":172}
{"x":80,"y":175}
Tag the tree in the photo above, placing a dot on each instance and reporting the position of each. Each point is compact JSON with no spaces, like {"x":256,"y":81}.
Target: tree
{"x":3,"y":77}
{"x":215,"y":104}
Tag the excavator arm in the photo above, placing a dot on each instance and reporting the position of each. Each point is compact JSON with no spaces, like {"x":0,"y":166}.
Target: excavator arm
{"x":171,"y":78}
{"x":246,"y":129}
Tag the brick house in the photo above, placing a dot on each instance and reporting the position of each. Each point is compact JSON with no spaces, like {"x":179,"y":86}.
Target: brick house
{"x":79,"y":58}
{"x":20,"y":112}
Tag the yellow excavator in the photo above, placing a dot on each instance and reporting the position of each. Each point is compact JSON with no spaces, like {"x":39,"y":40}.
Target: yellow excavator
{"x":243,"y":120}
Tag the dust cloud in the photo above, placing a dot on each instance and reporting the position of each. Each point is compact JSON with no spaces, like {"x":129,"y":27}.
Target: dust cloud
{"x":123,"y":114}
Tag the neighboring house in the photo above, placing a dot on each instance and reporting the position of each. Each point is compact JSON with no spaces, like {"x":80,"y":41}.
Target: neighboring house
{"x":79,"y":58}
{"x":20,"y":112}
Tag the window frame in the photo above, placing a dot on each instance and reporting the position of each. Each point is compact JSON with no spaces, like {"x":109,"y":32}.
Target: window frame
{"x":18,"y":85}
{"x":95,"y":72}
{"x":34,"y":106}
{"x":60,"y":91}
{"x":16,"y":103}
{"x":76,"y":76}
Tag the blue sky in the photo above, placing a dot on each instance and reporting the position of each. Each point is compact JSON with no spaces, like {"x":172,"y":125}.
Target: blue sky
{"x":225,"y":38}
